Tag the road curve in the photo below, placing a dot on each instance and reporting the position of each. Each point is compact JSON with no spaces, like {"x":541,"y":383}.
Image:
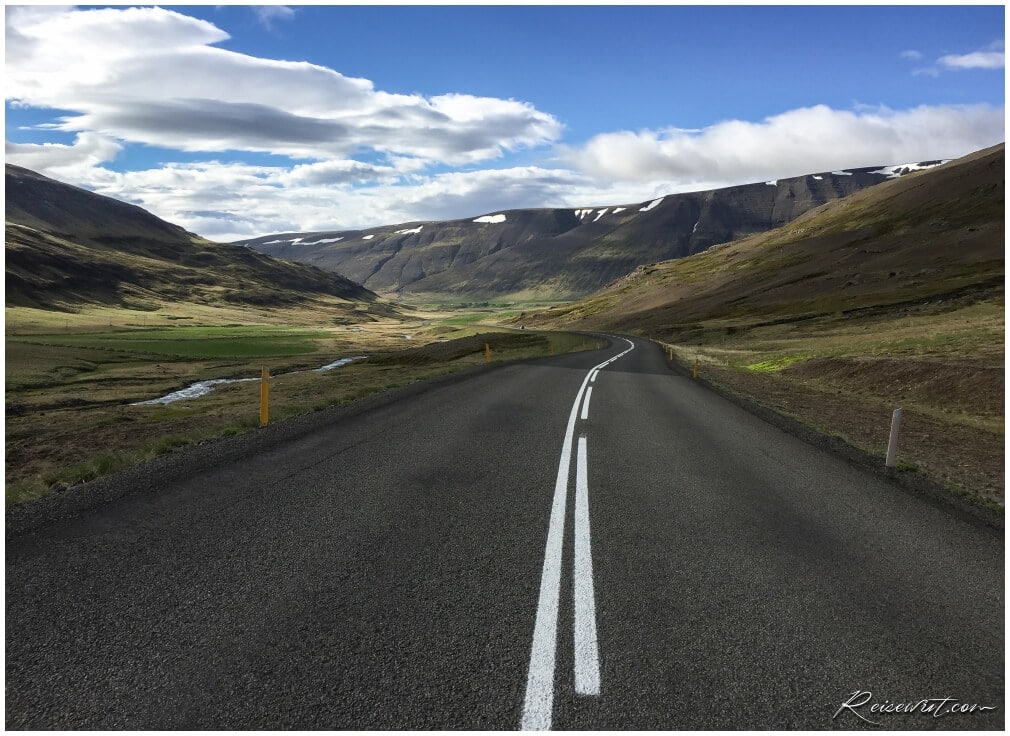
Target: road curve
{"x":701,"y":570}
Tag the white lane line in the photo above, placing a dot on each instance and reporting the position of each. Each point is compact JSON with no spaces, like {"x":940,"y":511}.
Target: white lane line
{"x":592,"y":378}
{"x":585,"y":404}
{"x":587,"y":654}
{"x":538,"y":705}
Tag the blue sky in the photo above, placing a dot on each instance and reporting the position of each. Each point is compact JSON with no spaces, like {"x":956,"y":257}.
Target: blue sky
{"x":236,"y":121}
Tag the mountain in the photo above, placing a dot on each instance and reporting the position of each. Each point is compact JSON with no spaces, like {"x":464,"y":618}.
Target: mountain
{"x":932,"y":236}
{"x":67,"y":246}
{"x":561,"y":254}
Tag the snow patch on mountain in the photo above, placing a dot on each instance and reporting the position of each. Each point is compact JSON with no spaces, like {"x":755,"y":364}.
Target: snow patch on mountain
{"x":893,"y":172}
{"x":651,"y":205}
{"x":411,"y":231}
{"x":493,"y":219}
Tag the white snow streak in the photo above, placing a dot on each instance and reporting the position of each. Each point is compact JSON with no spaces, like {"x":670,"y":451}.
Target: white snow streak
{"x":651,"y":204}
{"x":893,"y":172}
{"x":600,"y":214}
{"x":493,"y":219}
{"x":409,"y":232}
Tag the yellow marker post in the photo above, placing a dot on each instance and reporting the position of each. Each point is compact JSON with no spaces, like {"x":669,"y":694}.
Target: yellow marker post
{"x":695,"y":368}
{"x":487,"y":353}
{"x":264,"y":397}
{"x":670,"y":350}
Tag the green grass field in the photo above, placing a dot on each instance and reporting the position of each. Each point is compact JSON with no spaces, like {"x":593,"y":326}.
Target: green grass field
{"x":186,"y":342}
{"x":71,"y":393}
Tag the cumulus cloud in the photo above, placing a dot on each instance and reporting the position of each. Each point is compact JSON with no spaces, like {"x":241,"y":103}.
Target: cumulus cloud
{"x":793,"y":143}
{"x":231,"y":201}
{"x":87,"y":151}
{"x":362,"y":157}
{"x":155,"y":76}
{"x":228,"y":201}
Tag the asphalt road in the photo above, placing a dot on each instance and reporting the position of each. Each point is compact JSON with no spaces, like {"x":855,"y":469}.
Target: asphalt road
{"x":478,"y":555}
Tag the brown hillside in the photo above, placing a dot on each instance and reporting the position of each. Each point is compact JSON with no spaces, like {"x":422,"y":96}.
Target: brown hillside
{"x":890,"y":297}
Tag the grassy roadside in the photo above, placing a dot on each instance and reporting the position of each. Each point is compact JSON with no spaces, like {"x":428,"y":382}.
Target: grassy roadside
{"x":71,"y":392}
{"x":942,"y":363}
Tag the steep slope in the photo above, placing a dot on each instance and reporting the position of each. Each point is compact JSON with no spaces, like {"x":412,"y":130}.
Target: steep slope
{"x":935,"y":233}
{"x":66,"y":246}
{"x":893,"y":297}
{"x":560,"y":253}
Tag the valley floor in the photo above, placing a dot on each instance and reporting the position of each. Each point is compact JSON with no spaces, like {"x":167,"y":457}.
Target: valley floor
{"x":73,"y":381}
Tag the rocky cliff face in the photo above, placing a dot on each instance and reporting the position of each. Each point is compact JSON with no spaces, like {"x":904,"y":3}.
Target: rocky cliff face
{"x":560,"y":253}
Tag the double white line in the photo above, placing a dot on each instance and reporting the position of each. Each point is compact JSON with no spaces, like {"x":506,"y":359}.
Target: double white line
{"x":538,"y":706}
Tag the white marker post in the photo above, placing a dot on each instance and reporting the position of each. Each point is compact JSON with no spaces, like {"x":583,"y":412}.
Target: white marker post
{"x":892,"y":443}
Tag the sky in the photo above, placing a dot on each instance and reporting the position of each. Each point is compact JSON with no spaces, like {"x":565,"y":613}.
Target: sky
{"x":240,"y":121}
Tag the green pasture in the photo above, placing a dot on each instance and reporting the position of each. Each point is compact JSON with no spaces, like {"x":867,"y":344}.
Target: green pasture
{"x":189,"y":343}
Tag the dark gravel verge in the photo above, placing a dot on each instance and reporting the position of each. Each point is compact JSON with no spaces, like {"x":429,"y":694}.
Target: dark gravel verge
{"x":911,"y":481}
{"x":190,"y":460}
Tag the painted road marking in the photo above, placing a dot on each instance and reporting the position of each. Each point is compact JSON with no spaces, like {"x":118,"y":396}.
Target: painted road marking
{"x":585,"y":404}
{"x":538,"y":705}
{"x":587,"y":654}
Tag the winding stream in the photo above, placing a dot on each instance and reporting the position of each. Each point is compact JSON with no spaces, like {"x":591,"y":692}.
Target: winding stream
{"x":202,"y":388}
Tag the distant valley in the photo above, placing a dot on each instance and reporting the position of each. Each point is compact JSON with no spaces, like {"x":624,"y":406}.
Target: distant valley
{"x":560,"y":254}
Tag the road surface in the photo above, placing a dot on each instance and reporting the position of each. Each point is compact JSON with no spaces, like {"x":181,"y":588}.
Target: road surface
{"x":585,"y":542}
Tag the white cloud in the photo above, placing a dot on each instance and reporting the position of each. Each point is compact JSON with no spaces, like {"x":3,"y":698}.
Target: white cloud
{"x":974,"y":60}
{"x":267,"y":14}
{"x":87,"y":151}
{"x":790,"y":144}
{"x":367,"y":157}
{"x":230,"y":201}
{"x":991,"y":57}
{"x":911,"y":54}
{"x":154,"y":76}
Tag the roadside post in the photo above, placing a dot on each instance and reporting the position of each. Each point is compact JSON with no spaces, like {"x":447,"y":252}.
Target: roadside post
{"x":264,"y":397}
{"x":487,"y":353}
{"x":892,"y":442}
{"x":695,"y":368}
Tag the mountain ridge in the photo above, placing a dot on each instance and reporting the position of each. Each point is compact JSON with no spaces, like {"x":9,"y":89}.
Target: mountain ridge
{"x":561,"y":253}
{"x":940,"y":233}
{"x":66,"y":246}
